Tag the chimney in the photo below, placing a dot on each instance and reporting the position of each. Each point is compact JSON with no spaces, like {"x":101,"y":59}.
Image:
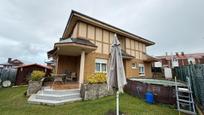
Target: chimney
{"x":166,"y":53}
{"x":182,"y":53}
{"x":9,"y":60}
{"x":177,"y":54}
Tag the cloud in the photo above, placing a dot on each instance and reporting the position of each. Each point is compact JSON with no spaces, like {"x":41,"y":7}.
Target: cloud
{"x":29,"y":28}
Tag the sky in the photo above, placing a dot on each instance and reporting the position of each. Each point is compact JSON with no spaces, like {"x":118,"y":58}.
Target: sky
{"x":29,"y":28}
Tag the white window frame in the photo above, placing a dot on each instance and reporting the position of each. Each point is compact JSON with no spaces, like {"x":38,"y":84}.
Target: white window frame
{"x":141,"y":73}
{"x":100,"y":62}
{"x":134,"y":65}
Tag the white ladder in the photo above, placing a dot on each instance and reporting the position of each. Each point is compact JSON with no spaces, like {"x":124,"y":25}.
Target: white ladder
{"x":184,"y":98}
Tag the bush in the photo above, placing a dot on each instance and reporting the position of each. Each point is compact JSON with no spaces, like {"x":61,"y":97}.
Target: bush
{"x":49,"y":79}
{"x":37,"y":75}
{"x":97,"y":78}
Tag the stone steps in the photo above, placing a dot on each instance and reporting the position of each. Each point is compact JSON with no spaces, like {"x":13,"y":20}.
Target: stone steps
{"x":55,"y":97}
{"x":58,"y":92}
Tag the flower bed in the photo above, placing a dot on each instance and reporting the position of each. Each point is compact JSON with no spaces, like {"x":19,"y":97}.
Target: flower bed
{"x":35,"y":82}
{"x":96,"y":87}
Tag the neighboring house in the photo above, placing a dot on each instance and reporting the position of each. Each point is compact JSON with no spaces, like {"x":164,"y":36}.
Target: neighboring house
{"x":50,"y":63}
{"x":180,"y":59}
{"x":24,"y":72}
{"x":85,"y":45}
{"x":11,"y":63}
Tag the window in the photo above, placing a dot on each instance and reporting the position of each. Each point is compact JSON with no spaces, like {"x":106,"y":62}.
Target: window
{"x":101,"y":65}
{"x":97,"y":66}
{"x":191,"y":61}
{"x":175,"y":62}
{"x":134,"y":66}
{"x":141,"y":70}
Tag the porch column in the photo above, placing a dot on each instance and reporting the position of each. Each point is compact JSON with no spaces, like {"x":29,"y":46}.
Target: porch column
{"x":81,"y":74}
{"x":56,"y":67}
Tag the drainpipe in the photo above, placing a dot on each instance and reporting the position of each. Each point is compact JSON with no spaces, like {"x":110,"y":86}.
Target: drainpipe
{"x":81,"y":74}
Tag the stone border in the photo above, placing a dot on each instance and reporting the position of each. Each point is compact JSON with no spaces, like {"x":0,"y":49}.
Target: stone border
{"x":94,"y":91}
{"x":33,"y":87}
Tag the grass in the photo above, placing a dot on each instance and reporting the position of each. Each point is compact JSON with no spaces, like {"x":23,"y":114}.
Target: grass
{"x":13,"y":102}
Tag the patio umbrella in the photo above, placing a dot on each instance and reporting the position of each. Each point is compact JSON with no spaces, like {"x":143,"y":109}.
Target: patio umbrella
{"x":116,"y":73}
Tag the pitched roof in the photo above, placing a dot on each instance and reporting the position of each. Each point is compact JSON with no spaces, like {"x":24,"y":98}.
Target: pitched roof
{"x":15,"y":61}
{"x":27,"y":65}
{"x":72,"y":41}
{"x":77,"y":16}
{"x":126,"y":55}
{"x":50,"y":61}
{"x":77,"y":41}
{"x":185,"y":56}
{"x":49,"y":53}
{"x":12,"y":62}
{"x":149,"y":58}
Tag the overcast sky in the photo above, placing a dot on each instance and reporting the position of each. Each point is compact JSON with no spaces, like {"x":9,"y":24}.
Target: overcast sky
{"x":29,"y":28}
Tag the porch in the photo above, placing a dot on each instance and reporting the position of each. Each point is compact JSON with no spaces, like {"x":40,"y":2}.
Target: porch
{"x":62,"y":86}
{"x":69,"y":55}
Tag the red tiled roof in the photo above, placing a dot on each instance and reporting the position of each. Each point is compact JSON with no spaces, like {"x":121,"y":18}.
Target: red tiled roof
{"x":15,"y":61}
{"x":185,"y":56}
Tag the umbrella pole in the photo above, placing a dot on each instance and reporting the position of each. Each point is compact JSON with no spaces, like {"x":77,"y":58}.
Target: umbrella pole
{"x":117,"y":103}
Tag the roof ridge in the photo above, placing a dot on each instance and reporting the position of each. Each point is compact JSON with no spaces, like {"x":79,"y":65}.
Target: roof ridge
{"x":131,"y":35}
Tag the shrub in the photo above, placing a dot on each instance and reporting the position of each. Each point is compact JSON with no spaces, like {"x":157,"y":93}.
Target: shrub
{"x":54,"y":71}
{"x":97,"y":78}
{"x":37,"y":75}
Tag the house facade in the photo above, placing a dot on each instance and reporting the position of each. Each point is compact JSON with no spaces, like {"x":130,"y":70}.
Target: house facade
{"x":11,"y":63}
{"x":85,"y":48}
{"x":179,"y":59}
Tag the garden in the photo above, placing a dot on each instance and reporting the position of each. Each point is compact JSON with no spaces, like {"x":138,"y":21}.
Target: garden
{"x":13,"y":102}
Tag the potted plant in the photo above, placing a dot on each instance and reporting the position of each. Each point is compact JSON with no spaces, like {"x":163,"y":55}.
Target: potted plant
{"x":35,"y":83}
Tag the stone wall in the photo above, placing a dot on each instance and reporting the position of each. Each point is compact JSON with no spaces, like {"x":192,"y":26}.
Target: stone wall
{"x":95,"y":91}
{"x":33,"y":87}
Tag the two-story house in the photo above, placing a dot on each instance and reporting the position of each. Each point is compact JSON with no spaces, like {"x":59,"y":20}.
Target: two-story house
{"x":85,"y":48}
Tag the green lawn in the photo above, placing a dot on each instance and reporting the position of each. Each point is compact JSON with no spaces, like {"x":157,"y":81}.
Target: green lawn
{"x":13,"y":102}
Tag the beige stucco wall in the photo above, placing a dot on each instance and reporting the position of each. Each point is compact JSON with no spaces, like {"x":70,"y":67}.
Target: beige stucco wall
{"x":148,"y":72}
{"x":128,"y":69}
{"x":131,"y":72}
{"x":90,"y":63}
{"x":75,"y":31}
{"x":135,"y":48}
{"x":89,"y":66}
{"x":91,"y":32}
{"x":103,"y":39}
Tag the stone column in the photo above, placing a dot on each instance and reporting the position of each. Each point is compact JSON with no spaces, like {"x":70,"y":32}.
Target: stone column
{"x":81,"y":74}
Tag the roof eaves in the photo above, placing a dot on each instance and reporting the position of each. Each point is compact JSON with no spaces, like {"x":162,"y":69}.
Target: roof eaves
{"x":74,"y":40}
{"x":75,"y":13}
{"x":68,"y":22}
{"x":27,"y":65}
{"x":141,"y":38}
